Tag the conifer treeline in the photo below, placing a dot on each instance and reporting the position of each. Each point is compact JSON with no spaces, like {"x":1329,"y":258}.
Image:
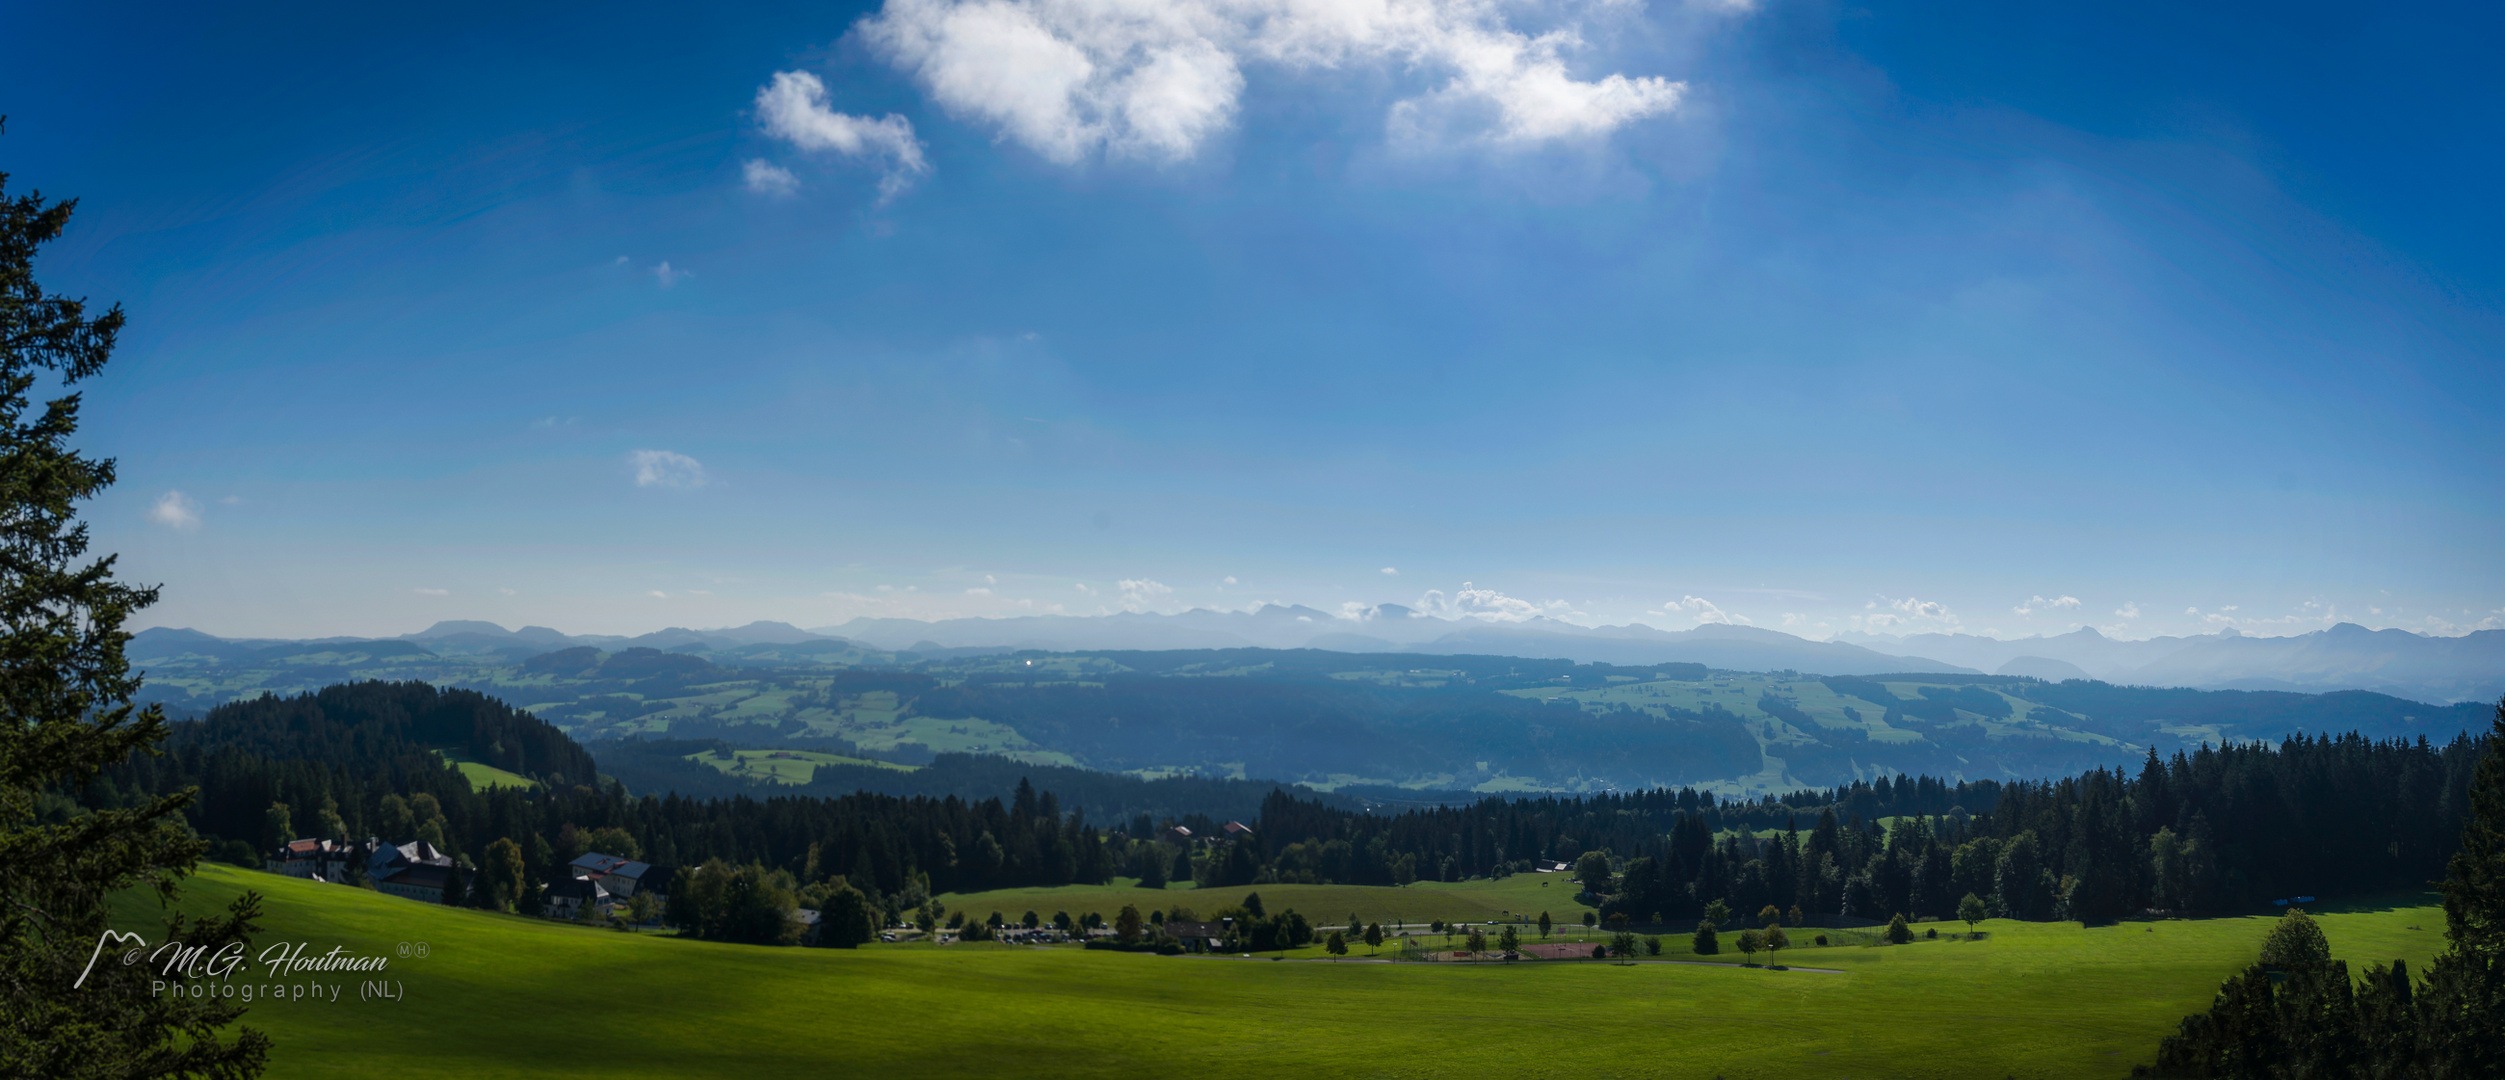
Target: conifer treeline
{"x":2298,"y":1013}
{"x":2218,"y":828}
{"x":2214,"y":829}
{"x":349,"y":761}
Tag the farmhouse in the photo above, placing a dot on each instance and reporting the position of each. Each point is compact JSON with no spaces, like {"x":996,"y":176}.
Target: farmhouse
{"x":564,"y":898}
{"x":622,"y":877}
{"x":423,"y":883}
{"x":417,"y":870}
{"x":298,"y":858}
{"x":1196,"y":936}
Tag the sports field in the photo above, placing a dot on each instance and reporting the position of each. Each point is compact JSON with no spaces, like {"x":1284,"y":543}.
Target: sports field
{"x":499,"y":996}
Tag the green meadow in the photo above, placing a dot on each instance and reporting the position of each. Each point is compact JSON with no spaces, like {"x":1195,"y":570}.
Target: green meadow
{"x":482,"y":775}
{"x":783,"y":766}
{"x":504,"y":996}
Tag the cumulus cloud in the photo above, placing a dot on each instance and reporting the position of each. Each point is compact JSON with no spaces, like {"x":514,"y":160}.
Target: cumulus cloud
{"x":2129,"y":610}
{"x":1142,"y":594}
{"x":1472,"y":602}
{"x":767,"y":178}
{"x":2065,"y":603}
{"x":669,"y":275}
{"x":793,"y":107}
{"x":1071,"y":78}
{"x":662,"y":468}
{"x":175,"y":511}
{"x":1230,"y":579}
{"x":1391,"y":571}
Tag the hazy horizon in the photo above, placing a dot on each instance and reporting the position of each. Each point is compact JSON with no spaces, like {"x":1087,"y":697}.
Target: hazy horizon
{"x":1356,"y":621}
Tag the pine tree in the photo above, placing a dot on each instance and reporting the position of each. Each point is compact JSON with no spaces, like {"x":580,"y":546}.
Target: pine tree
{"x":65,"y":714}
{"x":2474,"y":891}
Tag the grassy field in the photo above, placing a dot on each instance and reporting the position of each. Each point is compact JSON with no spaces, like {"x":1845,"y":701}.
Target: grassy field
{"x":783,"y":766}
{"x":502,"y":996}
{"x":482,"y":775}
{"x":1473,"y":901}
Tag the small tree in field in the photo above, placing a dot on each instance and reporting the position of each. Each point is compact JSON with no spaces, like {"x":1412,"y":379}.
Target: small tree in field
{"x":1776,"y":941}
{"x":1795,"y":918}
{"x":1508,"y":940}
{"x":1544,"y":925}
{"x":1374,"y":938}
{"x":1652,"y":945}
{"x":1898,"y":930}
{"x":1477,"y":941}
{"x":1622,"y":943}
{"x":1336,"y":944}
{"x":1770,"y":915}
{"x":1751,"y":941}
{"x":1707,"y":942}
{"x":1973,"y":910}
{"x":2296,"y":943}
{"x":1127,"y":925}
{"x":1590,"y":920}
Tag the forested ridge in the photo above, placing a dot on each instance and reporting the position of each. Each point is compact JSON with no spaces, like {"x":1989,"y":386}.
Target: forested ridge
{"x":2216,"y":829}
{"x":1431,"y":722}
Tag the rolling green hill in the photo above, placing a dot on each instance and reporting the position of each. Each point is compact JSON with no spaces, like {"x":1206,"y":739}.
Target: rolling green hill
{"x":1368,"y":724}
{"x":503,"y":996}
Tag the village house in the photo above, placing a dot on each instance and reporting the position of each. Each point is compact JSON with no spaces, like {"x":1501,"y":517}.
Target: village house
{"x":622,"y":877}
{"x":417,"y":870}
{"x":563,"y":899}
{"x":1196,"y":936}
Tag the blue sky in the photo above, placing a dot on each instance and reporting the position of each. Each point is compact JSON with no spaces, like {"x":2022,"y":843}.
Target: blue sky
{"x":1989,"y":317}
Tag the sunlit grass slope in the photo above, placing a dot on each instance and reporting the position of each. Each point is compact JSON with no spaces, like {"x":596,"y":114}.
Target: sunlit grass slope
{"x":501,"y":996}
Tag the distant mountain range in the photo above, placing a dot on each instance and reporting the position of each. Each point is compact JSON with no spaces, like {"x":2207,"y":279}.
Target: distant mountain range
{"x":2344,"y":657}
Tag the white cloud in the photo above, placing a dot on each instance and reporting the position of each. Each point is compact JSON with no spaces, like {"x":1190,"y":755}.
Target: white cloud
{"x":661,"y":468}
{"x":990,"y":580}
{"x":1924,"y":609}
{"x":1391,"y":571}
{"x":508,"y":592}
{"x":793,"y":108}
{"x":1141,"y":594}
{"x":232,"y":500}
{"x":1230,"y":579}
{"x":432,"y":592}
{"x":978,"y":591}
{"x":767,"y":178}
{"x":658,"y":595}
{"x":175,"y":511}
{"x":2067,"y":603}
{"x":669,"y":275}
{"x":1489,"y":605}
{"x":1070,"y":78}
{"x":1704,"y":611}
{"x":2128,"y":610}
{"x":621,"y":261}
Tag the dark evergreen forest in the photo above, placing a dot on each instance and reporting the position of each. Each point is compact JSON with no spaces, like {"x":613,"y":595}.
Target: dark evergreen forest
{"x":2216,"y":829}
